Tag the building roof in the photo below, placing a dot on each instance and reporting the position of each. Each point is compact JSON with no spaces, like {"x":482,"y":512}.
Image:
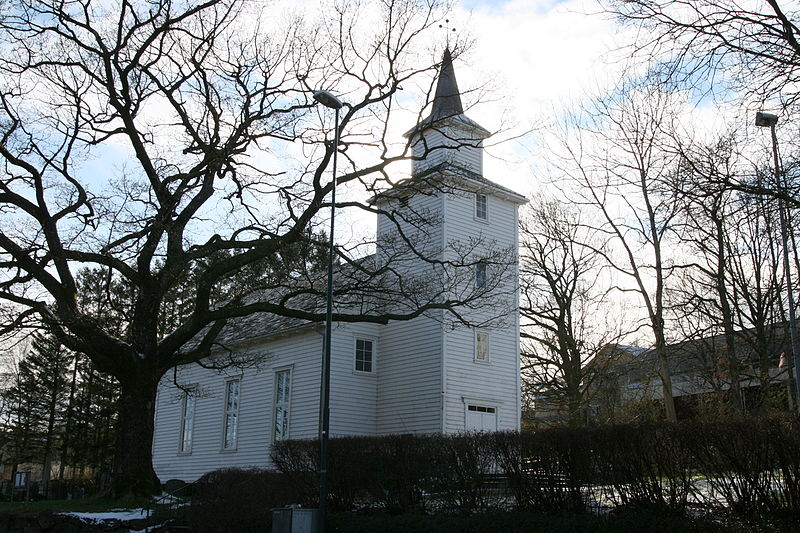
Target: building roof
{"x":447,"y":100}
{"x":697,"y":355}
{"x":447,"y":106}
{"x":256,"y":326}
{"x":421,"y":183}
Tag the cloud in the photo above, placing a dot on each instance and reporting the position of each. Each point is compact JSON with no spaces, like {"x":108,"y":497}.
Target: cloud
{"x":537,"y":55}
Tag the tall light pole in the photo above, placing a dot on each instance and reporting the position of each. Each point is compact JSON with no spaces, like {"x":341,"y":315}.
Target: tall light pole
{"x":768,"y":120}
{"x":328,"y":100}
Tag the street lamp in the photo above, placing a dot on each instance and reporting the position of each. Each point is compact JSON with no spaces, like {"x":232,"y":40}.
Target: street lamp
{"x":328,"y":100}
{"x":769,"y":120}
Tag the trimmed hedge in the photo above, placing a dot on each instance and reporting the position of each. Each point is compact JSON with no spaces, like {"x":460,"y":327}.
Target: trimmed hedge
{"x":751,"y":467}
{"x":235,"y":500}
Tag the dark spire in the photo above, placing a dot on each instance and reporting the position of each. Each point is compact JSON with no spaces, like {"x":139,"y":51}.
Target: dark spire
{"x":447,"y":101}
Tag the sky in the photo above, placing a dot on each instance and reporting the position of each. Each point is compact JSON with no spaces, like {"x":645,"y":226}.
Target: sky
{"x":544,"y":55}
{"x":536,"y":57}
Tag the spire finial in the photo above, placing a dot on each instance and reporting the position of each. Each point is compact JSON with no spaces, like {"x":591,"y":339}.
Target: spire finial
{"x":447,"y":31}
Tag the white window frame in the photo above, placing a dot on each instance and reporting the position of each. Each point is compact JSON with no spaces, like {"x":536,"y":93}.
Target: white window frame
{"x":234,"y":442}
{"x":488,"y":354}
{"x":480,"y":272}
{"x":189,"y":397}
{"x":481,"y":198}
{"x":21,"y":479}
{"x":286,"y":404}
{"x":374,"y":354}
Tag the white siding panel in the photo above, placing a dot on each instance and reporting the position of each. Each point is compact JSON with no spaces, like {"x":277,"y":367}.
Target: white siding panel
{"x":409,"y":372}
{"x":354,"y":394}
{"x":353,"y":403}
{"x":300,"y":352}
{"x":465,"y":149}
{"x":409,"y":378}
{"x":495,"y":383}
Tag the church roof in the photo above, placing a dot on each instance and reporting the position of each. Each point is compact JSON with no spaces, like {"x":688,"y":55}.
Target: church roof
{"x":447,"y":101}
{"x":474,"y":181}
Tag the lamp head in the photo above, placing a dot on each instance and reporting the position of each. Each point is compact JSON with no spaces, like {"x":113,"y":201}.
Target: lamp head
{"x":327,"y":99}
{"x":766,"y":120}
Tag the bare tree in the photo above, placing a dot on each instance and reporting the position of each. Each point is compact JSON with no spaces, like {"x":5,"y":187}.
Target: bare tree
{"x":618,"y":166}
{"x":753,"y":46}
{"x":562,"y":305}
{"x":158,"y":142}
{"x":728,"y":298}
{"x":745,"y":52}
{"x":708,"y":221}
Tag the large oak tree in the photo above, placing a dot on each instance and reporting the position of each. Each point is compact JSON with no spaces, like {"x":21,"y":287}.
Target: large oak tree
{"x":169,"y":140}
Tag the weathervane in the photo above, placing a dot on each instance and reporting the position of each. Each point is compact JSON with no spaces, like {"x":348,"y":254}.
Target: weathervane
{"x":447,"y":29}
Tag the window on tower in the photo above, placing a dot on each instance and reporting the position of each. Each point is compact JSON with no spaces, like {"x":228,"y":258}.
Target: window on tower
{"x":364,"y":355}
{"x":481,"y":206}
{"x":481,"y":346}
{"x":480,"y":274}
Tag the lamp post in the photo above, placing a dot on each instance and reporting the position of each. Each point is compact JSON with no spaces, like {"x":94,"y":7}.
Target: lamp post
{"x":328,"y":100}
{"x":769,"y":120}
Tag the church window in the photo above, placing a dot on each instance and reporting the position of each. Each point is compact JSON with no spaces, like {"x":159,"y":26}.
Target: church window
{"x":481,"y":346}
{"x":481,"y":206}
{"x":21,"y":479}
{"x":364,"y":355}
{"x":480,"y":274}
{"x":283,"y":383}
{"x":187,"y":422}
{"x":231,"y":419}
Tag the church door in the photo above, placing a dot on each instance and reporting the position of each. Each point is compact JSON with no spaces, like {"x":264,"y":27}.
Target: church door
{"x":481,"y":418}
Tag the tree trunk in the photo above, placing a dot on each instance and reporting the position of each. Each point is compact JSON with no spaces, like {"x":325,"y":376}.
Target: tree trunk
{"x":133,"y":464}
{"x":44,"y":487}
{"x":65,"y":441}
{"x":665,"y":374}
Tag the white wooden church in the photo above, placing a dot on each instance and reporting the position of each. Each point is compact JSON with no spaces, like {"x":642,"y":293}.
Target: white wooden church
{"x":417,"y":376}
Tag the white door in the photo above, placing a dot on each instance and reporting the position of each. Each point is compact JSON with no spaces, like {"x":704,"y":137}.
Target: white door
{"x":481,"y":418}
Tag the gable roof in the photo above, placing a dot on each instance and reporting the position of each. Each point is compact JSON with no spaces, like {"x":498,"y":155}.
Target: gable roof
{"x":694,"y":356}
{"x":447,"y":107}
{"x":423,"y":182}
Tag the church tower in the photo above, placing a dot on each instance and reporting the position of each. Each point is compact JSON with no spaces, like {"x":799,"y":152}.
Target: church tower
{"x":439,"y":374}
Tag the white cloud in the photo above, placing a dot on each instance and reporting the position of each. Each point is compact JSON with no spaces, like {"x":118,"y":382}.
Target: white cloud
{"x":538,"y":54}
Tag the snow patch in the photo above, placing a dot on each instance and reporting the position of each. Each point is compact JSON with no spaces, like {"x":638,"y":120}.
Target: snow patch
{"x":113,"y":514}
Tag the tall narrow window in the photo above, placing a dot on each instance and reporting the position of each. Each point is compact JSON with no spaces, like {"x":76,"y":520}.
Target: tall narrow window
{"x":283,"y":385}
{"x":481,"y":206}
{"x":480,"y":274}
{"x":481,"y":346}
{"x":231,"y":415}
{"x":364,"y":352}
{"x":187,"y":422}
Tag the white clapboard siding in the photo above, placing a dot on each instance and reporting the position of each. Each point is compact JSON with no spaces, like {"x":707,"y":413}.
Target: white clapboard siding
{"x":353,"y":399}
{"x":494,"y":383}
{"x":354,"y":394}
{"x":450,"y":142}
{"x":409,"y":374}
{"x":410,"y":377}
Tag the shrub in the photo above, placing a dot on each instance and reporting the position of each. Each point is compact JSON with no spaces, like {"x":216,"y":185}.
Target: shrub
{"x":459,"y":481}
{"x":401,"y":466}
{"x":753,"y":464}
{"x":386,"y":471}
{"x":546,"y":470}
{"x":298,"y":460}
{"x":647,"y":465}
{"x":238,"y":501}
